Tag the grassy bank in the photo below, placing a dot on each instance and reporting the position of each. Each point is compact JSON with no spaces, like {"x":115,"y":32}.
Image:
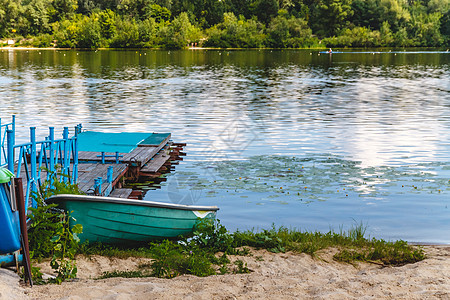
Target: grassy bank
{"x":206,"y":253}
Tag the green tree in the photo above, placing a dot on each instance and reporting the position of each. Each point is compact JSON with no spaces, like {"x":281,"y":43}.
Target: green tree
{"x":10,"y":12}
{"x":66,"y":33}
{"x":240,"y":8}
{"x":37,"y":14}
{"x":138,"y":9}
{"x":366,"y":13}
{"x":107,"y":22}
{"x":208,"y":12}
{"x":87,"y":7}
{"x":425,"y":29}
{"x":159,"y":13}
{"x":445,"y":28}
{"x":64,"y":9}
{"x":395,"y":13}
{"x":265,"y":10}
{"x":441,"y":6}
{"x":127,"y":33}
{"x":355,"y":37}
{"x":387,"y":37}
{"x":289,"y":32}
{"x":89,"y":35}
{"x":300,"y":10}
{"x":401,"y":38}
{"x":148,"y":33}
{"x":180,"y":33}
{"x":330,"y":16}
{"x":236,"y":33}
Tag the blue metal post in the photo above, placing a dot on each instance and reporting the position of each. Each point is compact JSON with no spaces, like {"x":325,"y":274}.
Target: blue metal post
{"x":75,"y":156}
{"x":1,"y":142}
{"x":100,"y":181}
{"x":103,"y":157}
{"x":110,"y":174}
{"x":66,"y":162}
{"x":10,"y":158}
{"x":14,"y":129}
{"x":51,"y":138}
{"x":98,"y":186}
{"x":33,"y":176}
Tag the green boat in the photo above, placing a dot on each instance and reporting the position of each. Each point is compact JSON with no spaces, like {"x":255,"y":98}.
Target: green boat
{"x":122,"y":221}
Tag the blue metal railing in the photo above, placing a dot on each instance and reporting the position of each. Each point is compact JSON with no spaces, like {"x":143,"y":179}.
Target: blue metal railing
{"x":54,"y":156}
{"x":3,"y":138}
{"x":33,"y":157}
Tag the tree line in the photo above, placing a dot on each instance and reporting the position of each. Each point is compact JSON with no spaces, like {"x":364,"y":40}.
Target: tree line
{"x":175,"y":24}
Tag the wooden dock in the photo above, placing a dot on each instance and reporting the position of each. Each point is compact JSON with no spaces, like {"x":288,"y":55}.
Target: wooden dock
{"x":147,"y":160}
{"x":138,"y":157}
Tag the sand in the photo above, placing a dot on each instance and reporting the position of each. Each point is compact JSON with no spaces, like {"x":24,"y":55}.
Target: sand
{"x":273,"y":276}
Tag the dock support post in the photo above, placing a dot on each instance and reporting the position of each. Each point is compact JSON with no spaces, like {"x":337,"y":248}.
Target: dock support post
{"x":10,"y":141}
{"x":103,"y":157}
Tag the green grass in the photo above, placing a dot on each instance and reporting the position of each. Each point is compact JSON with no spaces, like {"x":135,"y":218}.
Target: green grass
{"x":206,"y":252}
{"x":123,"y":274}
{"x":110,"y":251}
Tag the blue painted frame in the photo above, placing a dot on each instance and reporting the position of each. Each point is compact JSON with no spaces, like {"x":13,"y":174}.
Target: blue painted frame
{"x":3,"y":138}
{"x":34,"y":156}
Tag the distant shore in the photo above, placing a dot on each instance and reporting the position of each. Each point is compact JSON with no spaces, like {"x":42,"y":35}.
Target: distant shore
{"x":31,"y":48}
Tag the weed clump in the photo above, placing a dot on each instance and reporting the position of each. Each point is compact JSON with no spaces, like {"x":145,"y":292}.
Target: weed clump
{"x":50,"y":234}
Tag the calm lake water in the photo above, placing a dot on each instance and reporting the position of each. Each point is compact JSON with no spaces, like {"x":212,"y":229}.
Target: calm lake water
{"x":291,"y":138}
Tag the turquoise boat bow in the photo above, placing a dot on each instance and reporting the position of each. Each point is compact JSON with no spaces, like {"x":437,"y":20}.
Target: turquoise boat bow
{"x":127,"y":222}
{"x":9,"y":216}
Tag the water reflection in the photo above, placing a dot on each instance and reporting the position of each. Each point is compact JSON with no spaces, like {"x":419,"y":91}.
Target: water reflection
{"x":379,"y":109}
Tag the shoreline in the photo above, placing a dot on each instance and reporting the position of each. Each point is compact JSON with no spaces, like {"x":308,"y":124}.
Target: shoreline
{"x":407,"y":49}
{"x":280,"y":275}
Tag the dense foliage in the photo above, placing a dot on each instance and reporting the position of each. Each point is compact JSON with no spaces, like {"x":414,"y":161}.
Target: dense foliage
{"x":226,"y":23}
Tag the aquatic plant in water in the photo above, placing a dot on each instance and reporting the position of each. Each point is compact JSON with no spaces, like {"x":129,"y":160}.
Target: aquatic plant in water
{"x":314,"y":178}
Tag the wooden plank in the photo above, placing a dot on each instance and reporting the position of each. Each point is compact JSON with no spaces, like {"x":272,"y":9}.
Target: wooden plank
{"x":91,"y":171}
{"x":121,"y":193}
{"x":141,"y":155}
{"x":156,"y":163}
{"x":165,"y":141}
{"x":158,"y":160}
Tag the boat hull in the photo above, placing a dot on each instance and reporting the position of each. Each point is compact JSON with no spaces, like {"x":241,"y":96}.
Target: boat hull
{"x":125,"y":221}
{"x":9,"y":225}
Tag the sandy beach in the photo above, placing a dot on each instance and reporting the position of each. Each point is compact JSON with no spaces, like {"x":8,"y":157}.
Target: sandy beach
{"x":273,"y":276}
